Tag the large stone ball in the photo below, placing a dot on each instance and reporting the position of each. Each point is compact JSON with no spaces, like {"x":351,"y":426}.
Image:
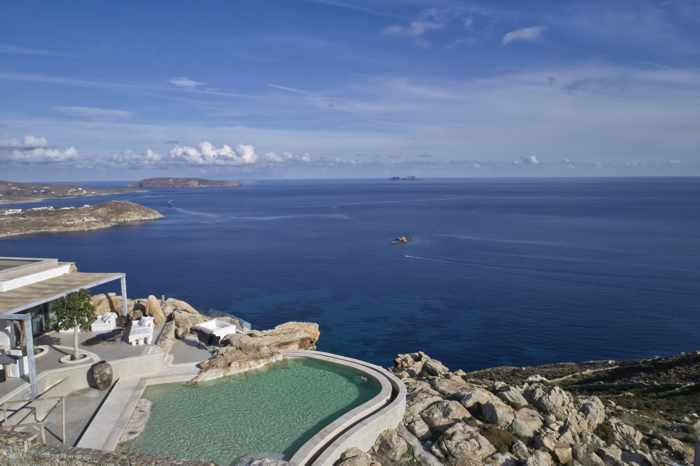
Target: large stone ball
{"x":100,"y":375}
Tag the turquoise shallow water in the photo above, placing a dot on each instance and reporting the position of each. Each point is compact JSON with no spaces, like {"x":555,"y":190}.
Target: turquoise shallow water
{"x":268,"y":412}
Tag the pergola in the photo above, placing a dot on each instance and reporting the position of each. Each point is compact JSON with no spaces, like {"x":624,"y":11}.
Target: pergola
{"x":13,"y":302}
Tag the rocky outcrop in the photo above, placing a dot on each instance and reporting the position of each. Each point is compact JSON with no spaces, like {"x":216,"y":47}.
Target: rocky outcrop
{"x":256,"y":349}
{"x":86,"y":218}
{"x":463,"y":419}
{"x":287,"y":336}
{"x":230,"y":361}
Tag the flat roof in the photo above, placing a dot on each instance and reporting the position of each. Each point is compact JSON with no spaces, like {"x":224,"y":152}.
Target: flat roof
{"x":6,"y":263}
{"x":13,"y":267}
{"x":29,"y":296}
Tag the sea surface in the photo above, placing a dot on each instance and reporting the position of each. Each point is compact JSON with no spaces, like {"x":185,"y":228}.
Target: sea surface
{"x":507,"y":271}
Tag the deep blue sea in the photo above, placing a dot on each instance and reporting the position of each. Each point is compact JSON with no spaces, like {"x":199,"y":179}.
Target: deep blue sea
{"x":508,"y":271}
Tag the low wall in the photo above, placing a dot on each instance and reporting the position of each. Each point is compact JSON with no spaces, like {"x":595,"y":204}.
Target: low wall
{"x":360,"y":427}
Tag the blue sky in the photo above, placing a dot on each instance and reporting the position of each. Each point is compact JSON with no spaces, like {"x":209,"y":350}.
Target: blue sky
{"x":344,"y":88}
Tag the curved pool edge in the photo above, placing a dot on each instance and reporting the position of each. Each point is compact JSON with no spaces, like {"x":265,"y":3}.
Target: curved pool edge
{"x":360,"y":427}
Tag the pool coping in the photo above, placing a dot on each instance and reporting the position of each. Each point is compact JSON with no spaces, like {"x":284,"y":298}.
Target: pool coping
{"x":358,"y":427}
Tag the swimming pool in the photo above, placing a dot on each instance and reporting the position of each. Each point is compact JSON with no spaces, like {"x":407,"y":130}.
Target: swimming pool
{"x":269,"y":412}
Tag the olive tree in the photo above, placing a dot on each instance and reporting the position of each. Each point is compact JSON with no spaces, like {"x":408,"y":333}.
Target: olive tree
{"x":76,"y":312}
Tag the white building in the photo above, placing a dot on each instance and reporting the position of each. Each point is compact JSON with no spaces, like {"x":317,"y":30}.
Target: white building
{"x":29,"y":288}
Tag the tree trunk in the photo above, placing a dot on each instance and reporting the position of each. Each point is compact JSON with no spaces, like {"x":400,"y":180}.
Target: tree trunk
{"x":76,"y":350}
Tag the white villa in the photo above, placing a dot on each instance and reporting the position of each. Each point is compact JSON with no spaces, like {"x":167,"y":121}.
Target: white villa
{"x":28,"y":289}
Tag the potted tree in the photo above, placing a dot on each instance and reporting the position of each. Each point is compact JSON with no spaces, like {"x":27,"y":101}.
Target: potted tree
{"x":76,"y":312}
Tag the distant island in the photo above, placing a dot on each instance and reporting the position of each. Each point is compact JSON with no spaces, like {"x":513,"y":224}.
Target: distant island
{"x":177,"y":183}
{"x":403,"y":178}
{"x":15,"y":222}
{"x":14,"y":193}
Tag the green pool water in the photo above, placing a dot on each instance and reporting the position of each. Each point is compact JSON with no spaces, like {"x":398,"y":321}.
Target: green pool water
{"x":267,"y":412}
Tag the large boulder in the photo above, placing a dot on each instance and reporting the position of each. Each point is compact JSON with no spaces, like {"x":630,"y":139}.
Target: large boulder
{"x":185,"y":320}
{"x":473,"y":395}
{"x":284,"y":337}
{"x":434,"y":368}
{"x":497,"y":412}
{"x":105,"y":303}
{"x":419,"y":398}
{"x":100,"y":375}
{"x":512,"y":395}
{"x":356,"y":457}
{"x":441,"y":415}
{"x":550,"y":400}
{"x":624,"y":435}
{"x":228,"y":361}
{"x":410,"y":364}
{"x":448,"y":388}
{"x":154,"y":310}
{"x":526,"y":423}
{"x":390,"y":447}
{"x":539,"y":458}
{"x":463,"y":444}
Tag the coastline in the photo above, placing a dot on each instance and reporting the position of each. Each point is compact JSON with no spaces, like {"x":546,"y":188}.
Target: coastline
{"x":78,"y":219}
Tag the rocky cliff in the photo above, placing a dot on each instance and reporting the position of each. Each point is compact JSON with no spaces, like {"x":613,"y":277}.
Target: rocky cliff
{"x":66,"y":219}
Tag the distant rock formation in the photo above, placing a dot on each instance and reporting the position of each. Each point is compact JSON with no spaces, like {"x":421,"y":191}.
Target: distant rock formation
{"x":66,"y":219}
{"x":178,"y":183}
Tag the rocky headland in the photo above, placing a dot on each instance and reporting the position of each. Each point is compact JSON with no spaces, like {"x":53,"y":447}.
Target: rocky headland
{"x":15,"y":222}
{"x":593,"y":414}
{"x":179,"y":183}
{"x":14,"y":193}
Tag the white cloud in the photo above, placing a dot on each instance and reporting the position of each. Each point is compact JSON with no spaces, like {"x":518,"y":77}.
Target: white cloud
{"x":93,"y":112}
{"x":34,"y":149}
{"x":286,"y":157}
{"x":135,"y":159}
{"x":527,"y":34}
{"x":206,"y":153}
{"x":185,"y":82}
{"x":413,"y":29}
{"x":530,"y":160}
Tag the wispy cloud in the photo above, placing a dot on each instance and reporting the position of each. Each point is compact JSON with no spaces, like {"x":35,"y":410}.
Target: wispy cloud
{"x":93,"y":112}
{"x":527,"y":34}
{"x":185,"y":82}
{"x":293,"y":90}
{"x":413,"y":29}
{"x":9,"y":49}
{"x":354,"y":7}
